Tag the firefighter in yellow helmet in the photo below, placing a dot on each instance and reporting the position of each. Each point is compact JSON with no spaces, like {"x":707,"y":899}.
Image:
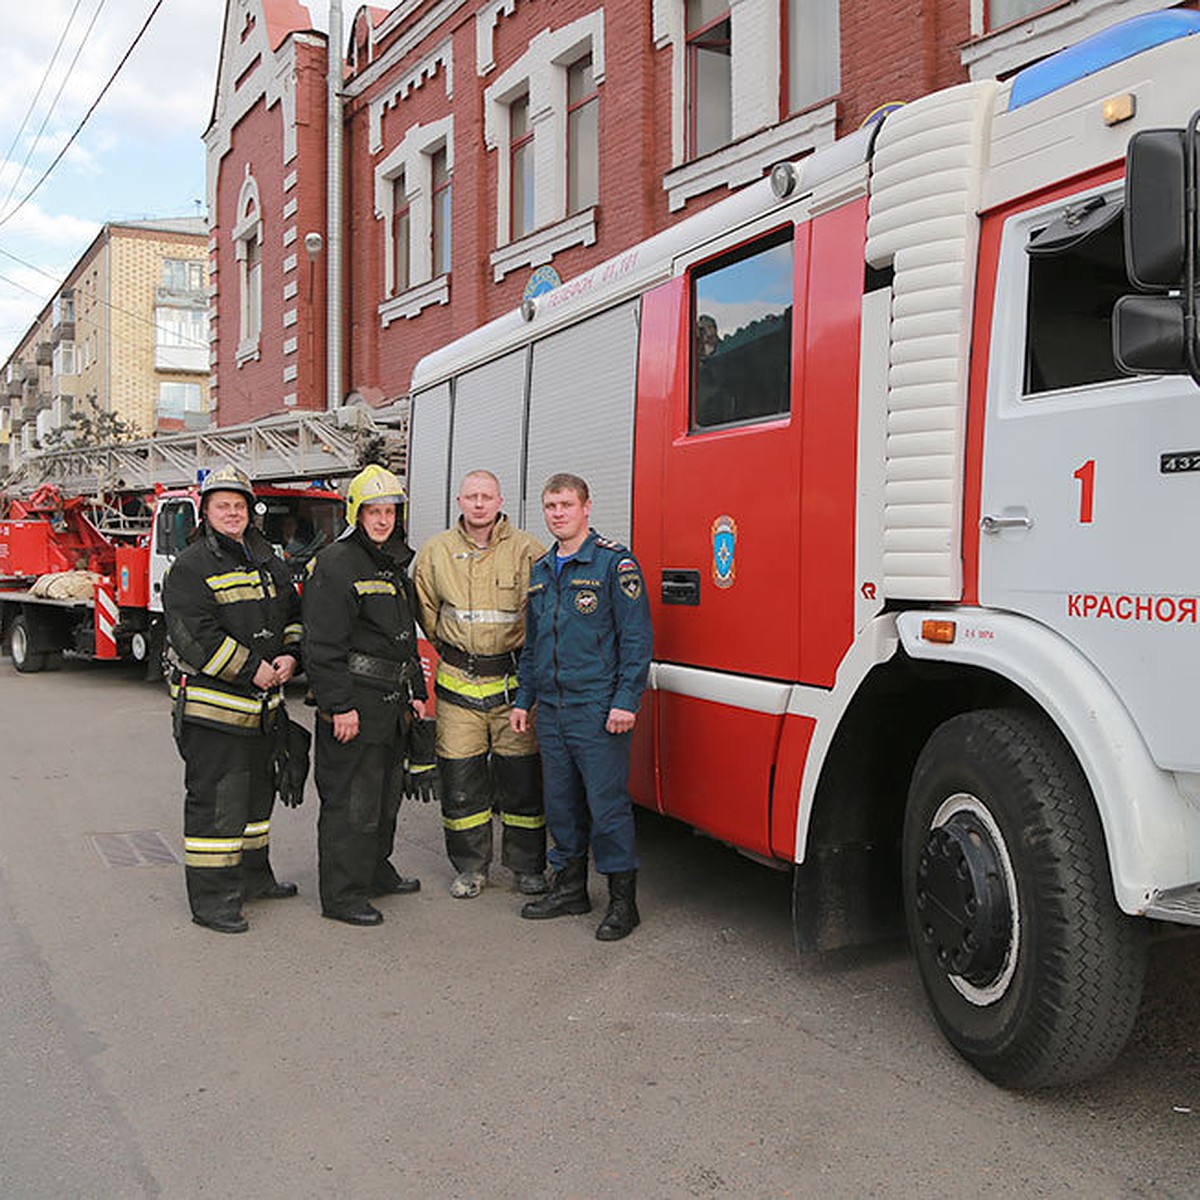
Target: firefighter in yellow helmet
{"x":365,"y":674}
{"x":233,"y":619}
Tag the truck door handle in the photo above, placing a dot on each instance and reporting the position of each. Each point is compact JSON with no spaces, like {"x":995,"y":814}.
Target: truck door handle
{"x":990,"y":524}
{"x":681,"y":587}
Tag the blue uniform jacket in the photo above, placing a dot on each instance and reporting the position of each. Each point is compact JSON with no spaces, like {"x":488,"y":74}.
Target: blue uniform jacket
{"x":588,"y":638}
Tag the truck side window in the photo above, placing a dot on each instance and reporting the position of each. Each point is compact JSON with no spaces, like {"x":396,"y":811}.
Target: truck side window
{"x":175,"y":523}
{"x":1076,"y":274}
{"x":742,"y":334}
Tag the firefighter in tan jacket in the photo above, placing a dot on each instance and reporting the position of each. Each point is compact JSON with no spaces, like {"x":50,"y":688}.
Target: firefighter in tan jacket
{"x":471,"y":583}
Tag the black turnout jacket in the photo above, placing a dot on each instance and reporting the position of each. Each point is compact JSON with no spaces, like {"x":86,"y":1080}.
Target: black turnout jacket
{"x":229,"y":606}
{"x":360,"y":641}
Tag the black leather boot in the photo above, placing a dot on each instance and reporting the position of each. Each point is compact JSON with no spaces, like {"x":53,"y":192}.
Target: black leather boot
{"x":567,"y":896}
{"x":622,"y":917}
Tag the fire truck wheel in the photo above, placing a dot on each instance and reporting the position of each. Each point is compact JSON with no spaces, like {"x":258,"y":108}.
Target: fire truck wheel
{"x":18,"y":646}
{"x":1033,"y":973}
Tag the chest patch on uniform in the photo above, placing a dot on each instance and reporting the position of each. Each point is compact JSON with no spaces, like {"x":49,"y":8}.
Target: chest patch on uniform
{"x":586,"y":583}
{"x":374,"y":587}
{"x":631,"y":584}
{"x":586,"y":601}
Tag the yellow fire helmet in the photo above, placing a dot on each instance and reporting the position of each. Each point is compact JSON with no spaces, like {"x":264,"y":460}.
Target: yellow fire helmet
{"x":226,"y":479}
{"x":372,"y":485}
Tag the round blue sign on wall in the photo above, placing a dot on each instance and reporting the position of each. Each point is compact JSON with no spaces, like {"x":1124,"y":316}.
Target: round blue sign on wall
{"x":543,"y":280}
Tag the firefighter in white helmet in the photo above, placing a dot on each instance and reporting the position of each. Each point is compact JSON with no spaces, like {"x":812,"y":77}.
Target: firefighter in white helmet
{"x":471,"y":582}
{"x":233,"y":619}
{"x":365,"y":674}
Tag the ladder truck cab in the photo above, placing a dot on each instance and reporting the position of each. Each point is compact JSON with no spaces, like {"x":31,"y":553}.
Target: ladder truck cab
{"x":83,"y":574}
{"x":923,"y":586}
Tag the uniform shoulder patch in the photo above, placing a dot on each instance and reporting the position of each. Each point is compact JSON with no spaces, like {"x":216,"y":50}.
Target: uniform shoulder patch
{"x":609,"y":544}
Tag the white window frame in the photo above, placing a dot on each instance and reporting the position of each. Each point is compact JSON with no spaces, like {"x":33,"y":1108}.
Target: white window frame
{"x":413,"y":158}
{"x":186,"y":407}
{"x":758,"y":138}
{"x":65,"y":361}
{"x":541,"y":72}
{"x":248,"y":230}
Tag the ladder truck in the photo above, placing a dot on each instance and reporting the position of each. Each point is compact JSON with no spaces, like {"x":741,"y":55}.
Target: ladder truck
{"x":87,"y":534}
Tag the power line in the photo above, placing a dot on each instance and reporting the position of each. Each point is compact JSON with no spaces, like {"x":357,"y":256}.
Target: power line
{"x":79,"y":128}
{"x":38,"y":94}
{"x":37,"y":137}
{"x":141,"y":318}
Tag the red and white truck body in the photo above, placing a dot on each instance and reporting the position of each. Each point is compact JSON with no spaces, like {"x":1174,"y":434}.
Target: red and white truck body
{"x":111,"y":554}
{"x":905,"y":527}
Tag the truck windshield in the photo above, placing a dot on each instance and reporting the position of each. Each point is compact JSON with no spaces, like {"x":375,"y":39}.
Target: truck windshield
{"x":299,"y":525}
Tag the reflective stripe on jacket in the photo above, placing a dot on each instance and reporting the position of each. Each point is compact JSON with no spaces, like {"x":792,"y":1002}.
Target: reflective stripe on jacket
{"x":229,"y":606}
{"x":473,"y":598}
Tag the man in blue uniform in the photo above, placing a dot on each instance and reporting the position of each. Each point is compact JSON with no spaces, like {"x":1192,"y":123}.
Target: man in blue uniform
{"x":587,"y":653}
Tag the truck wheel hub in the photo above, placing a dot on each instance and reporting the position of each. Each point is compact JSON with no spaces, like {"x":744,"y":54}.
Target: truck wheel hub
{"x":964,"y":906}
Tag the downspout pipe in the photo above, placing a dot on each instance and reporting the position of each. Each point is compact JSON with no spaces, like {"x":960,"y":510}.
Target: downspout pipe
{"x":334,"y":169}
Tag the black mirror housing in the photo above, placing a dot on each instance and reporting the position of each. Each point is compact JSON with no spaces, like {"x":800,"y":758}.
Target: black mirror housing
{"x":1155,"y":230}
{"x":1148,"y":335}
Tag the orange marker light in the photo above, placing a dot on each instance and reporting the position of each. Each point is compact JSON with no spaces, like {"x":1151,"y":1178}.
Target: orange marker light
{"x":938,"y":631}
{"x":1119,"y":108}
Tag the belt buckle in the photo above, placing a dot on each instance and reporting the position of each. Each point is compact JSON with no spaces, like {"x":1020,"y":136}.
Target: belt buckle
{"x":471,"y":669}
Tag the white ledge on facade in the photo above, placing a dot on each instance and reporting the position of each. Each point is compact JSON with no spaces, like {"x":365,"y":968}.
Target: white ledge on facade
{"x":247,"y":352}
{"x":1042,"y":33}
{"x":749,"y":159}
{"x":409,"y":303}
{"x":543,"y":244}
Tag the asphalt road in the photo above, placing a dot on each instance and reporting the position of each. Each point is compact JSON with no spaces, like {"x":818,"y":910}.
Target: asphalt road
{"x":457,"y":1051}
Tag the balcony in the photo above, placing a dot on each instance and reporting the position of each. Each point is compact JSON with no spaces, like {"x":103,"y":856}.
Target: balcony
{"x":45,"y":354}
{"x":63,"y":317}
{"x":181,"y":358}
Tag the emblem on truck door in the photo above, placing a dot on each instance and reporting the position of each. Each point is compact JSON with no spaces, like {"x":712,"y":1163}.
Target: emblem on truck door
{"x":724,"y":540}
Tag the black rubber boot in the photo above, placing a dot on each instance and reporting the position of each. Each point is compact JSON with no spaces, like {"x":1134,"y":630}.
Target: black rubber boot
{"x":568,"y":895}
{"x":622,"y":917}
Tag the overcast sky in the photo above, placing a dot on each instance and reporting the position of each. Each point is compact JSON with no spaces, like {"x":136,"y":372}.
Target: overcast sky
{"x":139,"y":155}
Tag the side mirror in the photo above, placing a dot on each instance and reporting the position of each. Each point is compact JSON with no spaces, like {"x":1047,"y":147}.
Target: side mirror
{"x":1148,"y":335}
{"x":1155,"y":229}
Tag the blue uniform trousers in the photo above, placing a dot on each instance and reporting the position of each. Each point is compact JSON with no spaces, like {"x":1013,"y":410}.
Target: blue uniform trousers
{"x":585,"y":784}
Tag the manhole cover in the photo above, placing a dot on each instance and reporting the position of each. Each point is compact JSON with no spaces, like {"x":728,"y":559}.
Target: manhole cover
{"x":145,"y":848}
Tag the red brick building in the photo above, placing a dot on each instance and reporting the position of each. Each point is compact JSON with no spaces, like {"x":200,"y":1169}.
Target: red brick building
{"x":495,"y":147}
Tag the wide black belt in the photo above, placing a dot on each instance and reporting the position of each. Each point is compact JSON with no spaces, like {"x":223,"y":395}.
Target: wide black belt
{"x":479,"y":664}
{"x":382,"y":670}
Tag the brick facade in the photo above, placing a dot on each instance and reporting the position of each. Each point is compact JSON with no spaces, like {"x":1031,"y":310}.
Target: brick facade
{"x":267,"y":139}
{"x":431,"y":75}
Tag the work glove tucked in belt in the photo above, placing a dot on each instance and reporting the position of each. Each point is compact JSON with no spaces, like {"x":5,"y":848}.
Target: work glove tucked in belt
{"x":420,"y":770}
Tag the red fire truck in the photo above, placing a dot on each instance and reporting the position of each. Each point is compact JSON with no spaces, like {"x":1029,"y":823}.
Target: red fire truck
{"x":88,"y":534}
{"x":83,"y":575}
{"x":925,"y":626}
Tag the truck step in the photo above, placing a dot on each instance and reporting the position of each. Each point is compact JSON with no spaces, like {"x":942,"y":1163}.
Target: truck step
{"x":1181,"y":904}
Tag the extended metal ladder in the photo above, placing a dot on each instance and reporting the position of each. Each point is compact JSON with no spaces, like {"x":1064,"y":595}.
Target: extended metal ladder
{"x":278,"y":449}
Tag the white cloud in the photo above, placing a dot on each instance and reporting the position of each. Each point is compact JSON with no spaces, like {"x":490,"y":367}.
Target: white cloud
{"x":141,"y":151}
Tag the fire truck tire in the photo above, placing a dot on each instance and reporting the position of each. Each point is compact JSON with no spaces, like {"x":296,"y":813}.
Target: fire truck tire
{"x":23,"y":658}
{"x":1032,"y":971}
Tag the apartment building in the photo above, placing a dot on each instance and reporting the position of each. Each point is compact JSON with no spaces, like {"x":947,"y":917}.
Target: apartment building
{"x":127,"y":330}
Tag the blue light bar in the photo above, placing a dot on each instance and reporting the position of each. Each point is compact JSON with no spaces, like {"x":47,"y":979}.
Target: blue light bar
{"x":1101,"y":50}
